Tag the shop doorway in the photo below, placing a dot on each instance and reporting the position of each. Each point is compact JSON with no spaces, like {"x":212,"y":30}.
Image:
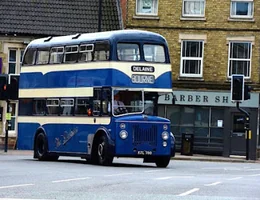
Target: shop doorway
{"x":238,"y":141}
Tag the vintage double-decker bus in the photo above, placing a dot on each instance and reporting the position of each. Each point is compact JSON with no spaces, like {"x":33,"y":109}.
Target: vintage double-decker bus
{"x":66,"y":97}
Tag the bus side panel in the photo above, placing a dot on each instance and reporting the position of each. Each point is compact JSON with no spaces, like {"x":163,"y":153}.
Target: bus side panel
{"x":25,"y":137}
{"x":67,"y":137}
{"x":89,"y":78}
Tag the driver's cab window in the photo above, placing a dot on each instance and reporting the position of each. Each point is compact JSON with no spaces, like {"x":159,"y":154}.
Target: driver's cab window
{"x":125,"y":102}
{"x":150,"y":103}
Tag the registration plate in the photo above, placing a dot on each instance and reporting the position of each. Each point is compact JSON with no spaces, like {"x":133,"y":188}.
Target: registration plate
{"x":144,"y":152}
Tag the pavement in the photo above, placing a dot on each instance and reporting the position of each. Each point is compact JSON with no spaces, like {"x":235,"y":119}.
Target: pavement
{"x":178,"y":156}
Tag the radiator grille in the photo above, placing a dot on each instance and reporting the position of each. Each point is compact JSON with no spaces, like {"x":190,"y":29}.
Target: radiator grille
{"x":145,"y":134}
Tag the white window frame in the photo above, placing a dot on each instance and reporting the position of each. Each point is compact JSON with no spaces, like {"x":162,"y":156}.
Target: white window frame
{"x":233,"y":2}
{"x":68,"y":50}
{"x":199,"y":75}
{"x":18,"y":60}
{"x":154,"y":7}
{"x":193,"y":15}
{"x":247,"y":76}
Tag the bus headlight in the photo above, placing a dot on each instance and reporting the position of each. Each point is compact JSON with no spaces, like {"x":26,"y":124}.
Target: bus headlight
{"x":165,"y":135}
{"x":123,"y":134}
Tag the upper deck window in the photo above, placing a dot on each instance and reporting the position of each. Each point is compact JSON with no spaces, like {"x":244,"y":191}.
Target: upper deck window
{"x":71,"y":53}
{"x":56,"y":55}
{"x":86,"y":52}
{"x":154,"y":53}
{"x":102,"y":51}
{"x":29,"y":57}
{"x":42,"y":56}
{"x":128,"y":52}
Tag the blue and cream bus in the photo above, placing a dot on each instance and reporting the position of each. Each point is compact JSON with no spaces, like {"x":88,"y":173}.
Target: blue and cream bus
{"x":66,"y":106}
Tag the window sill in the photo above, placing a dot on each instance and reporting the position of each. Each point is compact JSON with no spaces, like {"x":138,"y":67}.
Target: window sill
{"x":149,"y":17}
{"x":182,"y":78}
{"x":232,"y":19}
{"x":193,"y":18}
{"x":247,"y":80}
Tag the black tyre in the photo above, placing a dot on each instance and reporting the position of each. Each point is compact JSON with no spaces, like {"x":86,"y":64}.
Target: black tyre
{"x":162,"y":161}
{"x":102,"y":153}
{"x":41,"y":149}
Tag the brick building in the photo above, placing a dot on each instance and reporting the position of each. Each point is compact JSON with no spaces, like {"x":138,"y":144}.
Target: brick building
{"x":24,"y":20}
{"x":209,"y":41}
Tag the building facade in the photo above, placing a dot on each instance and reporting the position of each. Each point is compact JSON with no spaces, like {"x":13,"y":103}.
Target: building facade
{"x":24,"y":20}
{"x":209,"y":41}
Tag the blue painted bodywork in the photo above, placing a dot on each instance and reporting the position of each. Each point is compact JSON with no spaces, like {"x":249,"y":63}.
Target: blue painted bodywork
{"x":88,"y":78}
{"x":72,"y":138}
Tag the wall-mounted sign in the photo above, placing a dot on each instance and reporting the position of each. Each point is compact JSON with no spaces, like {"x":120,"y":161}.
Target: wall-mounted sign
{"x":138,"y":78}
{"x":203,"y":98}
{"x":142,"y":69}
{"x":8,"y":116}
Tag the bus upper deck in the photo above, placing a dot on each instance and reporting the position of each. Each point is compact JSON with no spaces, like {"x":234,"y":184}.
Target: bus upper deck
{"x":125,"y":58}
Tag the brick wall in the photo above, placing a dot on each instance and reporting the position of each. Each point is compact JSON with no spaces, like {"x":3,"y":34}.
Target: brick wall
{"x":216,"y":25}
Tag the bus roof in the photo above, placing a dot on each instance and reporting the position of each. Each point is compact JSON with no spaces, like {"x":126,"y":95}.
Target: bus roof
{"x":113,"y":36}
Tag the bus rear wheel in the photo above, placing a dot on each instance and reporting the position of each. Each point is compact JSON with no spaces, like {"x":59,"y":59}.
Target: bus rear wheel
{"x":41,"y":149}
{"x":102,"y":153}
{"x":162,"y":161}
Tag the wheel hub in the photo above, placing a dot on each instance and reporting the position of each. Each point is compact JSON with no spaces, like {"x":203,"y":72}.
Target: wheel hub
{"x":101,"y":150}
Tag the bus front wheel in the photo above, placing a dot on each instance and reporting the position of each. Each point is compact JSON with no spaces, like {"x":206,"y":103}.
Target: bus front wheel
{"x":162,"y":161}
{"x":103,"y":156}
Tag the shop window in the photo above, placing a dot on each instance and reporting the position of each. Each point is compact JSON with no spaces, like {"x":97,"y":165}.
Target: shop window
{"x":201,"y":117}
{"x":173,"y":113}
{"x":193,"y":8}
{"x":161,"y":111}
{"x":147,"y":7}
{"x":187,"y":116}
{"x":201,"y":122}
{"x":240,"y":54}
{"x":217,"y":123}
